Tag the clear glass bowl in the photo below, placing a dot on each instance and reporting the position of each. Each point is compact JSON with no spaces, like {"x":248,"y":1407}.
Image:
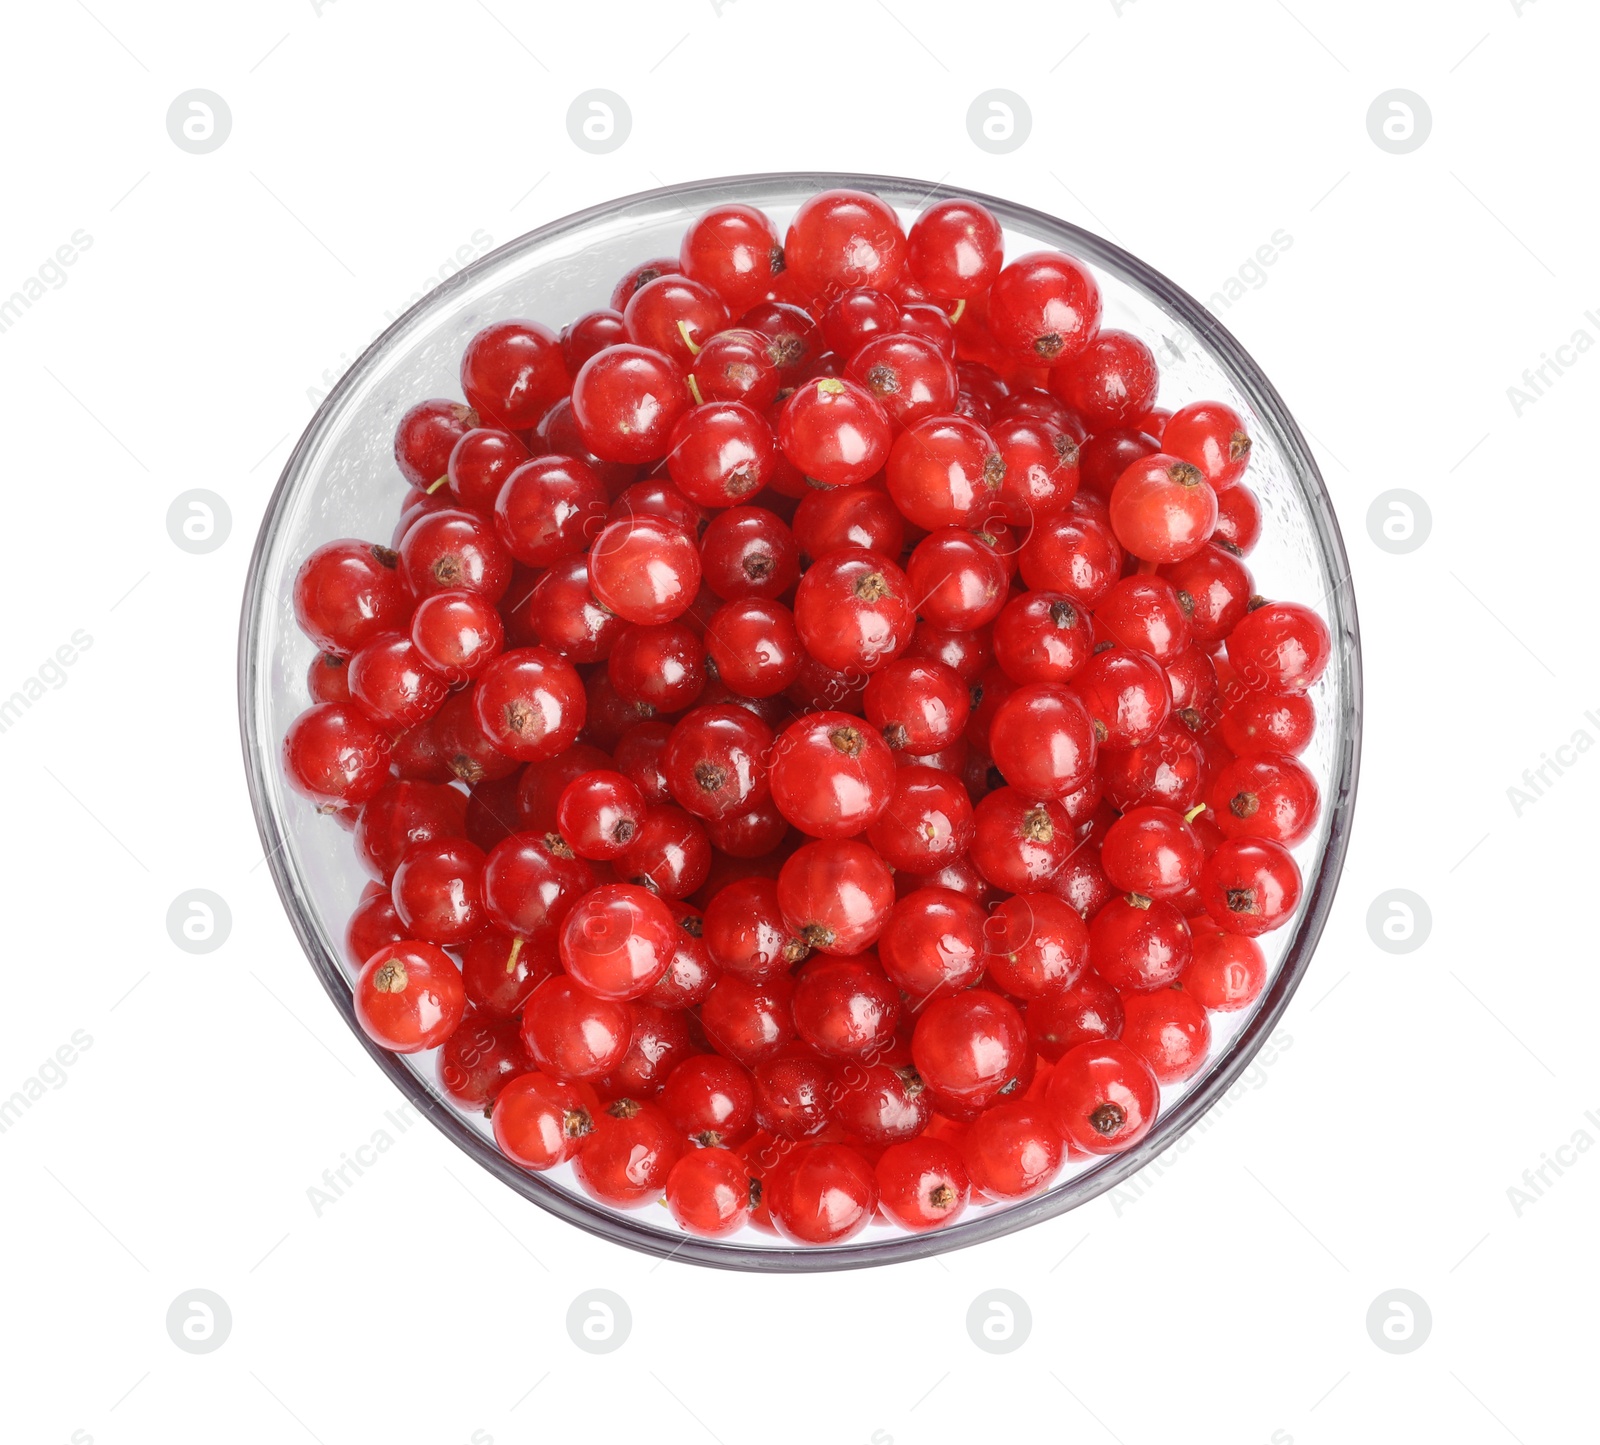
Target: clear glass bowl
{"x":341,"y":482}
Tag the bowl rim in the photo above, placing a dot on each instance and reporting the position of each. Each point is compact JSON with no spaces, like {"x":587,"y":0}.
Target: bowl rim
{"x":261,"y":753}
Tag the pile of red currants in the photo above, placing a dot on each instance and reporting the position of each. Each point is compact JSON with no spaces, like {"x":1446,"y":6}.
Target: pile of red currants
{"x":813,"y":732}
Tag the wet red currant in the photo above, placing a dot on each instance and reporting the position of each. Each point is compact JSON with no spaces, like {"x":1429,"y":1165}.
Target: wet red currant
{"x":409,"y":997}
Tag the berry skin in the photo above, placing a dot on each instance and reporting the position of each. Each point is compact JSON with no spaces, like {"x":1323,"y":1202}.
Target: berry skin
{"x":625,"y":402}
{"x":971,"y":1047}
{"x":347,"y":592}
{"x":500,"y":971}
{"x":715,"y":762}
{"x":881,"y":1103}
{"x":745,"y":933}
{"x":1250,"y":885}
{"x":550,"y":508}
{"x":933,"y":943}
{"x":854,"y":317}
{"x":957,"y":581}
{"x":919,"y":706}
{"x":1138,"y":943}
{"x":835,"y":895}
{"x":438,"y":890}
{"x":511,"y":373}
{"x":479,"y":1059}
{"x":1087,"y":1011}
{"x":1018,"y":843}
{"x":955,"y":249}
{"x":922,"y":1184}
{"x":1111,"y":383}
{"x":734,"y":250}
{"x":617,"y":941}
{"x":644,"y":570}
{"x":1212,"y":436}
{"x":1044,"y":309}
{"x":1281,"y":647}
{"x":721,"y":453}
{"x":708,"y":1192}
{"x":393,"y":684}
{"x":530,"y":883}
{"x":425,"y":438}
{"x":1169,"y":1030}
{"x":848,"y":517}
{"x":821,"y":1194}
{"x":1042,"y":637}
{"x":1238,"y":521}
{"x":1146,"y":614}
{"x":1012,"y":1150}
{"x":793,"y":1089}
{"x":1127,"y":696}
{"x":927,"y":824}
{"x":599,"y":814}
{"x":453,"y":550}
{"x":1265,"y":796}
{"x":1268,"y":722}
{"x":595,"y":330}
{"x":338,"y":757}
{"x":1104,"y":1097}
{"x":845,"y":1008}
{"x":844,"y":239}
{"x":662,"y":666}
{"x":328,"y":678}
{"x":628,"y":1158}
{"x":831,"y":776}
{"x":1042,"y":468}
{"x":1043,"y":741}
{"x":1152,"y":851}
{"x":1228,"y":970}
{"x":1162,"y":510}
{"x":909,"y":376}
{"x":1035,"y":945}
{"x":1072,"y":554}
{"x":670,"y":856}
{"x":402,"y":813}
{"x":457,"y":634}
{"x":748,"y":552}
{"x":749,"y":1021}
{"x":711,"y":1101}
{"x":529,"y":703}
{"x":1214,"y":589}
{"x":945,"y":471}
{"x":755,"y":646}
{"x":560,"y":612}
{"x":409,"y":997}
{"x":540,"y":1122}
{"x":675,"y":316}
{"x":854,"y":609}
{"x":834,"y":431}
{"x":572,"y":1035}
{"x":373,"y":925}
{"x":641,"y":275}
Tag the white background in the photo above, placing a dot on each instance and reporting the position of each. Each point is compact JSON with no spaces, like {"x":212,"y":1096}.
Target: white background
{"x":183,"y":350}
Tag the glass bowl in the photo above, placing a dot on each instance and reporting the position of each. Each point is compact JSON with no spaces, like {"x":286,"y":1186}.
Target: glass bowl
{"x":341,"y":482}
